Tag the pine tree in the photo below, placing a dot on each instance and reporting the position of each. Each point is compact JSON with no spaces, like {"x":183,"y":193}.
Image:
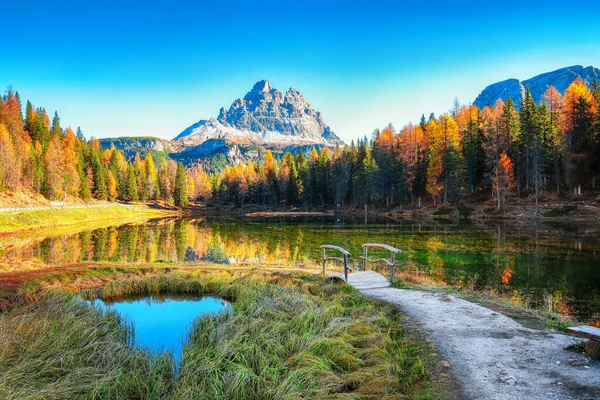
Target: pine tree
{"x":100,"y":174}
{"x":132,"y":187}
{"x":454,"y":171}
{"x":180,"y":192}
{"x":368,"y":185}
{"x":303,"y":177}
{"x":55,"y":129}
{"x":292,"y":184}
{"x":529,"y":134}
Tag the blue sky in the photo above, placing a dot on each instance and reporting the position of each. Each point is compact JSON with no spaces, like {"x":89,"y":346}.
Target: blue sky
{"x":154,"y":68}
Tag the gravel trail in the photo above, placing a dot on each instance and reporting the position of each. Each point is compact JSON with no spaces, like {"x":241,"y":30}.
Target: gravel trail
{"x":491,"y":355}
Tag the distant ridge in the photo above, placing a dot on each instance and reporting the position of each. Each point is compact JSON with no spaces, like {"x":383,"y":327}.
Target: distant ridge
{"x":515,"y":89}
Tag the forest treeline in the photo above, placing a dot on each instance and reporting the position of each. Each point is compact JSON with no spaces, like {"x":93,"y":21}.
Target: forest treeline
{"x":37,"y":154}
{"x":468,"y":154}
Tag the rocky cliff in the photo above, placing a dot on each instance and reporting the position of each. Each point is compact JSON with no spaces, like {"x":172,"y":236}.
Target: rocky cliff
{"x":264,"y":116}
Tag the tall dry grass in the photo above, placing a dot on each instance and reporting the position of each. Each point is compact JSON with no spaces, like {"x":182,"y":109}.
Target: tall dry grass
{"x":289,"y":337}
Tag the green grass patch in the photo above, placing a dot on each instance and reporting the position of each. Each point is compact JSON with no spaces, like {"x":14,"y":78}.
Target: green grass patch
{"x":49,"y":218}
{"x":558,"y":325}
{"x":289,"y":337}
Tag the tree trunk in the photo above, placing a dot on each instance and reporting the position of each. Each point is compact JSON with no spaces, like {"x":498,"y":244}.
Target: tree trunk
{"x":498,"y":196}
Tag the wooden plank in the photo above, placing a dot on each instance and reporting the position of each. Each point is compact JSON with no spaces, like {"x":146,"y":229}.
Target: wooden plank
{"x":366,"y":280}
{"x":331,"y":247}
{"x":383,"y":246}
{"x":384,"y":260}
{"x":584,"y":331}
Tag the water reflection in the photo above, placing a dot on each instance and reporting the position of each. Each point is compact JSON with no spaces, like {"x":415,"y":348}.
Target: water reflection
{"x":162,"y":323}
{"x":548,"y":267}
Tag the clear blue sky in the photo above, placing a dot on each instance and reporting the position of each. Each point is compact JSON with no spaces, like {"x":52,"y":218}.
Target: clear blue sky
{"x":153,"y":68}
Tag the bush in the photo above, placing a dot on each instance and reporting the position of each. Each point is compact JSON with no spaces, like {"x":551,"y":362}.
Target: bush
{"x":560,"y":211}
{"x":465,"y":211}
{"x":443,"y":211}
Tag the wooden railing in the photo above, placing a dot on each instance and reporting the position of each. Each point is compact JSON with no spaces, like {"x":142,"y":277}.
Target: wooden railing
{"x":343,"y":259}
{"x":391,"y":262}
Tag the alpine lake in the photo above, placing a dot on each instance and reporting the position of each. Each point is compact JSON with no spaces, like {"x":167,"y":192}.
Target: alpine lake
{"x":544,"y":266}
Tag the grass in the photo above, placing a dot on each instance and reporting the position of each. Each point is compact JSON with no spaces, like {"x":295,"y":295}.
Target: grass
{"x":290,"y":336}
{"x":20,"y":221}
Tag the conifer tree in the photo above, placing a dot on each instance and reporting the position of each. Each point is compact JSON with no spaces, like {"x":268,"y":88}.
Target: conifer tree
{"x":180,"y":192}
{"x":132,"y":187}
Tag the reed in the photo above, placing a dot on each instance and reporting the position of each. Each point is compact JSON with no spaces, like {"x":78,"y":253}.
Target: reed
{"x":290,"y":336}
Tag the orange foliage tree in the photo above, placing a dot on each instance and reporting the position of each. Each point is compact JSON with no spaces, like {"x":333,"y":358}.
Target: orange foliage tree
{"x":503,"y":179}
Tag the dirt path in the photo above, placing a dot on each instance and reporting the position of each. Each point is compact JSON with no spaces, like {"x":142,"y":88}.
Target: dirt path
{"x":491,"y":355}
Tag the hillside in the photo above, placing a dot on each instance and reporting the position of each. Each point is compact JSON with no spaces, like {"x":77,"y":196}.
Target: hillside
{"x":515,"y":89}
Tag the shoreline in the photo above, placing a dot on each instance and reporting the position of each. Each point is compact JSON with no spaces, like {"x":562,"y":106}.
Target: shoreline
{"x":22,"y":222}
{"x":559,"y":212}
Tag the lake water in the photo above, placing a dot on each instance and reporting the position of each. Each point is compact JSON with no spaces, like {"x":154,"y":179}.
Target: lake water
{"x":163,"y":323}
{"x":543,"y":266}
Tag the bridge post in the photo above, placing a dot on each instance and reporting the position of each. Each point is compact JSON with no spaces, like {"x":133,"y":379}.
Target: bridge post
{"x":346,"y":268}
{"x":324,"y":260}
{"x":393,"y":267}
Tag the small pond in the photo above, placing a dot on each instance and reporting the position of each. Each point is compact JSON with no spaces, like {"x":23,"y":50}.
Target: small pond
{"x":163,"y":323}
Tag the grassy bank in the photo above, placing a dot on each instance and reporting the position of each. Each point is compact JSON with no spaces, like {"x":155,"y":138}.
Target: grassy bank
{"x":290,"y":336}
{"x":28,"y":220}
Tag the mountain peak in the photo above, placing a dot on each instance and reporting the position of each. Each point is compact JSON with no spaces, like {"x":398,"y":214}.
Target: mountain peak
{"x":265,"y":116}
{"x":515,"y":89}
{"x":263,"y":86}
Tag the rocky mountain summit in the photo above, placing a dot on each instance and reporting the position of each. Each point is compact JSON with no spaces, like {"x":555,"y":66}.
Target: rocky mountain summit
{"x":515,"y":89}
{"x":264,"y":119}
{"x":265,"y":116}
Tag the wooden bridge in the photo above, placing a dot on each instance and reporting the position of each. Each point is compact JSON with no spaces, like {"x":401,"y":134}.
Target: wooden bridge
{"x":363,"y":279}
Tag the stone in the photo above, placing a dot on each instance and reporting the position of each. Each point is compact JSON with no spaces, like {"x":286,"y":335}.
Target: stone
{"x":445,"y":364}
{"x":592,"y":349}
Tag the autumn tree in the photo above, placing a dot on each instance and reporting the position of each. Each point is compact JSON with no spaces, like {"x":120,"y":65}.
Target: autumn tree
{"x":579,"y":115}
{"x":555,"y":102}
{"x":411,"y":145}
{"x":152,"y":184}
{"x":9,"y":174}
{"x":503,"y":180}
{"x":54,"y":177}
{"x":165,"y":182}
{"x":112,"y":185}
